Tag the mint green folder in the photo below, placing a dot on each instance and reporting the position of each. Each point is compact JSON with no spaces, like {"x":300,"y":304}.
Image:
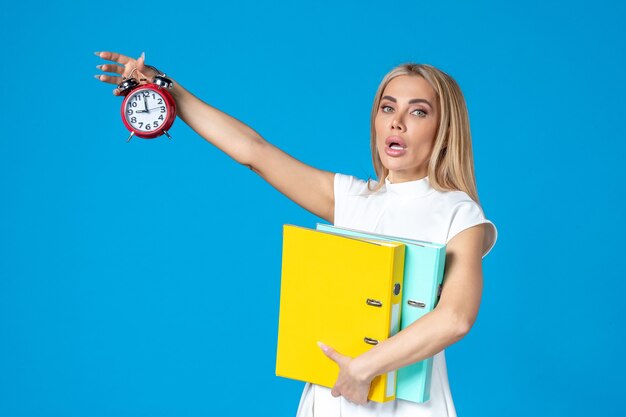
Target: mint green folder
{"x":423,"y":278}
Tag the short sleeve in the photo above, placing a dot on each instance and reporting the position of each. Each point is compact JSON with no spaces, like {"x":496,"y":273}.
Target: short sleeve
{"x":342,"y":185}
{"x":346,"y":187}
{"x":468,"y":214}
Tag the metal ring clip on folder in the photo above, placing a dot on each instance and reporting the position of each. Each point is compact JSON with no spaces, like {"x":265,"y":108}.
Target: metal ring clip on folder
{"x":418,"y":304}
{"x":370,"y":341}
{"x":374,"y":303}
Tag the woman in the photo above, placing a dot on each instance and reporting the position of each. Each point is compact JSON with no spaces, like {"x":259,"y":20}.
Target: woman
{"x":422,"y":154}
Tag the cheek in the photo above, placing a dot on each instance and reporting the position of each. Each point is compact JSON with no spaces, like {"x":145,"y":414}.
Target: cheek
{"x":377,"y":134}
{"x":376,"y":126}
{"x":433,"y":126}
{"x":425,"y":133}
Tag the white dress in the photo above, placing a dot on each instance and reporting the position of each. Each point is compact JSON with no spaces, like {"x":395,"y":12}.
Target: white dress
{"x":412,"y":210}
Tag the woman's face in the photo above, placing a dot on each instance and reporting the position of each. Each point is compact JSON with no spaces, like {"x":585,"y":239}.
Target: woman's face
{"x":406,"y":125}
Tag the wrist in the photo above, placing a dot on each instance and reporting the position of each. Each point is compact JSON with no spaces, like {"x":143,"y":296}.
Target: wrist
{"x":175,"y":90}
{"x":362,"y":370}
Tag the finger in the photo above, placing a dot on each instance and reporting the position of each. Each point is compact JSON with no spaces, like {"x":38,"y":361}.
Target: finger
{"x":109,"y":79}
{"x":147,"y":71}
{"x":114,"y":56}
{"x":332,"y":353}
{"x":141,"y":60}
{"x":335,"y":392}
{"x":118,"y":69}
{"x":141,"y":64}
{"x":328,"y":351}
{"x":362,"y":398}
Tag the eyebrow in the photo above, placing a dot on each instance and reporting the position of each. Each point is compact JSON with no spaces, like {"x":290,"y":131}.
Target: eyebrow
{"x":414,"y":100}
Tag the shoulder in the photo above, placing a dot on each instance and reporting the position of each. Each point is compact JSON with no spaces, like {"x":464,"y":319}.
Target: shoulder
{"x":355,"y":204}
{"x":349,"y":185}
{"x":455,"y":198}
{"x":463,"y":213}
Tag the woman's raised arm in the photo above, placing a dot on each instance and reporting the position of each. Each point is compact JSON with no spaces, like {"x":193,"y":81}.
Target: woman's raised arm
{"x":311,"y":188}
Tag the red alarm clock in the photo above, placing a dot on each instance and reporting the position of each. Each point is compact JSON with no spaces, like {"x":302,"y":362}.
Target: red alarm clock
{"x":148,"y":110}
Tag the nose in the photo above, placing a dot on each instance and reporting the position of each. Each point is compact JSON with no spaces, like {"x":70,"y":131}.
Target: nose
{"x":398,"y":124}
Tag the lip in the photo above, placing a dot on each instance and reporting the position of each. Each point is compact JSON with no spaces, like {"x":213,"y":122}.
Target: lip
{"x":395,"y":139}
{"x":395,"y":152}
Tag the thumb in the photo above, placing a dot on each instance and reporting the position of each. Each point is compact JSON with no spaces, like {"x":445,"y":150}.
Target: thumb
{"x":141,"y":61}
{"x":330,"y":352}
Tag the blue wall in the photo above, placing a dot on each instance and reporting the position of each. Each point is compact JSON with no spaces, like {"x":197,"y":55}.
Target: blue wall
{"x":122,"y":288}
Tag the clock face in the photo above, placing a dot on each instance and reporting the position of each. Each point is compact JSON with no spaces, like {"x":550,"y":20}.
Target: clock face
{"x":146,"y":110}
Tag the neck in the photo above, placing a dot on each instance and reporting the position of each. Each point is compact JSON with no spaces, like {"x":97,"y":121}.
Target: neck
{"x":397,"y":177}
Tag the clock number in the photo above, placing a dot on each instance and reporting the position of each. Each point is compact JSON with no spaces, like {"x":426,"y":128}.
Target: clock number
{"x":161,"y":117}
{"x":146,"y":93}
{"x":155,"y":124}
{"x":162,"y":109}
{"x":148,"y":127}
{"x":129,"y":112}
{"x":133,"y":104}
{"x":140,"y":124}
{"x":160,"y":101}
{"x":133,"y":120}
{"x":138,"y":97}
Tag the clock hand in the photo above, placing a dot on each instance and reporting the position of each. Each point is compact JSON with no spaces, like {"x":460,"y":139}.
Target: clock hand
{"x":145,"y":103}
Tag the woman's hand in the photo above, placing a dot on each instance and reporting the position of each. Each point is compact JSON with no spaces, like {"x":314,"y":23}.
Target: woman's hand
{"x":351,"y":383}
{"x":127,"y":67}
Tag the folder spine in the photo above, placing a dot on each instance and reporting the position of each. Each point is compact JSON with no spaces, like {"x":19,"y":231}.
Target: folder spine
{"x":395,"y":312}
{"x":441,"y":263}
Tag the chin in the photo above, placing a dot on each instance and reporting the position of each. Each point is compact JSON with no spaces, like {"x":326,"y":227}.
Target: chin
{"x":393,"y":164}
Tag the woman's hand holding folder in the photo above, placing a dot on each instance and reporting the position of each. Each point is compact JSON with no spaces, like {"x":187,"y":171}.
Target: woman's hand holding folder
{"x":351,"y":383}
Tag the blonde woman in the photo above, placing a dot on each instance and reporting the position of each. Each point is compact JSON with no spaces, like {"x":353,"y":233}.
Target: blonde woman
{"x":422,"y":154}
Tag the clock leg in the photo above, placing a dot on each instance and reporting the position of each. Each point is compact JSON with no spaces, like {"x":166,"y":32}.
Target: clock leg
{"x":167,"y":134}
{"x":130,"y":137}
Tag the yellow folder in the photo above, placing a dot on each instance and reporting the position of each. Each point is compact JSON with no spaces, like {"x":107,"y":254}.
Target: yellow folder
{"x":345,"y":292}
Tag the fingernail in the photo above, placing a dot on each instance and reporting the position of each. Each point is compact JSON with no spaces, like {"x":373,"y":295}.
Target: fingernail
{"x":143,"y":55}
{"x":97,"y":53}
{"x":322,"y":346}
{"x":99,"y":67}
{"x":97,"y":77}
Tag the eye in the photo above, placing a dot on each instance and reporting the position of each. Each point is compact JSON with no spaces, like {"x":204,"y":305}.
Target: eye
{"x":419,"y":112}
{"x":386,"y":109}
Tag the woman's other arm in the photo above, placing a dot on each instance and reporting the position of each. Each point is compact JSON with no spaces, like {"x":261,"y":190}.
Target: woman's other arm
{"x":448,"y":323}
{"x":311,"y":188}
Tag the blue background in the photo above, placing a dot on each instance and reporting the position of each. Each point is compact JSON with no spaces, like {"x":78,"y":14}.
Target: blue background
{"x":123,"y":288}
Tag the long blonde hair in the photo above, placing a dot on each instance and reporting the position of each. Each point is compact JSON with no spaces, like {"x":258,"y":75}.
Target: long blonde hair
{"x":451,"y":164}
